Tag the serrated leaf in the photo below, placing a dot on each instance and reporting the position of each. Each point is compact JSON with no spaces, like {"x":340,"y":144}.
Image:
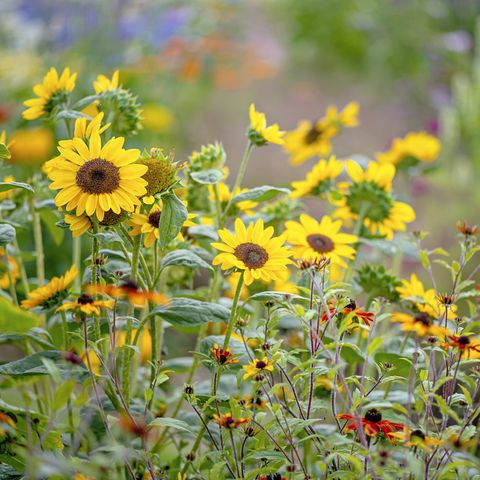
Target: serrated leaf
{"x":260,"y":194}
{"x":184,"y":258}
{"x":174,"y":214}
{"x":207,"y":177}
{"x":5,"y":186}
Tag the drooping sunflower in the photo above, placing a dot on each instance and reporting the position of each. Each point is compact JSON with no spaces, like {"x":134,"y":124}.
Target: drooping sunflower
{"x":369,"y":195}
{"x":253,"y":250}
{"x":86,"y":304}
{"x":313,"y":138}
{"x":312,"y":240}
{"x":421,"y":323}
{"x":52,"y":92}
{"x":7,"y":262}
{"x":94,"y":179}
{"x":150,"y":224}
{"x":319,"y":179}
{"x":53,"y":293}
{"x":259,"y":134}
{"x":225,"y":195}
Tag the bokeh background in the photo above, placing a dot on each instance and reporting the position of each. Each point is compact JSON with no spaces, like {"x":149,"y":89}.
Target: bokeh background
{"x":196,"y":65}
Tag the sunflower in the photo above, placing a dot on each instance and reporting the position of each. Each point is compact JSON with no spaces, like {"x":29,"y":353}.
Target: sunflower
{"x":425,"y":301}
{"x":259,"y":134}
{"x":225,"y":195}
{"x":94,"y":179}
{"x":313,"y":138}
{"x":254,"y":251}
{"x":257,"y":366}
{"x":7,"y":262}
{"x":150,"y":224}
{"x":86,"y":304}
{"x":421,"y":323}
{"x":369,"y":195}
{"x":104,"y":84}
{"x":53,"y":293}
{"x":53,"y":91}
{"x":416,"y":438}
{"x":319,"y":179}
{"x":312,"y":240}
{"x":466,"y":345}
{"x":227,"y":421}
{"x":78,"y":225}
{"x":413,"y":148}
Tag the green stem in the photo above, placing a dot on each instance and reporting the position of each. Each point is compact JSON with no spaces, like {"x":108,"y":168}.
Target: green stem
{"x":95,"y":248}
{"x":37,"y":238}
{"x":233,"y":312}
{"x":23,"y":272}
{"x":77,"y":260}
{"x":64,"y":330}
{"x":11,"y":281}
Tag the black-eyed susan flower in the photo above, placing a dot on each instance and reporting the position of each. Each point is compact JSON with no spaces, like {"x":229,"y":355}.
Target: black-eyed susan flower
{"x":52,"y":92}
{"x":313,"y":138}
{"x":465,"y":229}
{"x":319,"y":180}
{"x":104,"y":84}
{"x":369,"y":196}
{"x":52,"y":294}
{"x":131,"y":291}
{"x":467,"y":346}
{"x":408,"y":151}
{"x":313,"y":240}
{"x":254,"y":403}
{"x":254,"y":251}
{"x":94,"y":179}
{"x":227,"y":421}
{"x":257,"y":366}
{"x":372,"y":424}
{"x":350,"y":309}
{"x":225,"y":195}
{"x":259,"y":134}
{"x":223,"y":356}
{"x":416,"y":438}
{"x":149,"y":224}
{"x":8,"y":264}
{"x":86,"y":304}
{"x":421,"y":323}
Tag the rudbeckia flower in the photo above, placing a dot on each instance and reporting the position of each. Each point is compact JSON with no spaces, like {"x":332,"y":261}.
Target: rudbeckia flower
{"x":312,"y":240}
{"x":372,"y":424}
{"x":259,"y":134}
{"x":467,"y":346}
{"x":421,"y":323}
{"x":253,"y":250}
{"x":416,"y":438}
{"x":223,"y":356}
{"x":53,"y":293}
{"x":257,"y":366}
{"x":227,"y":421}
{"x":52,"y":92}
{"x":86,"y":304}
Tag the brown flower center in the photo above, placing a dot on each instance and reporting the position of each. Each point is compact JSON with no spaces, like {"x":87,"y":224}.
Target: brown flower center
{"x":373,"y":415}
{"x":424,"y":318}
{"x":85,"y":299}
{"x":418,"y":433}
{"x":154,"y":218}
{"x":320,"y":243}
{"x":252,"y":255}
{"x":312,"y":135}
{"x":463,"y":340}
{"x":260,"y":364}
{"x":98,"y":176}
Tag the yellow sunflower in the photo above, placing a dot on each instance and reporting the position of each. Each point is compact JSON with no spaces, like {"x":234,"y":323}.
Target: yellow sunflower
{"x":7,"y":262}
{"x":413,"y":148}
{"x":104,"y":84}
{"x":421,"y":323}
{"x":52,"y":92}
{"x":313,"y":138}
{"x":253,"y":250}
{"x":225,"y":195}
{"x":78,"y":225}
{"x":53,"y":293}
{"x":312,"y":240}
{"x":369,"y":195}
{"x":150,"y":224}
{"x":319,"y":179}
{"x":257,"y":366}
{"x":86,"y":304}
{"x":259,"y":133}
{"x":94,"y":179}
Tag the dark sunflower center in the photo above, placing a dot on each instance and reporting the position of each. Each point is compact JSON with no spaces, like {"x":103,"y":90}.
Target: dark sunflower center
{"x":85,"y":299}
{"x":424,"y":318}
{"x":418,"y":433}
{"x":252,"y":255}
{"x":223,"y":357}
{"x":154,"y":219}
{"x":229,"y":421}
{"x":369,"y":193}
{"x":98,"y":176}
{"x":320,"y":243}
{"x":351,"y":304}
{"x":260,"y":364}
{"x":463,"y":340}
{"x":130,"y":285}
{"x":373,"y":415}
{"x":312,"y":135}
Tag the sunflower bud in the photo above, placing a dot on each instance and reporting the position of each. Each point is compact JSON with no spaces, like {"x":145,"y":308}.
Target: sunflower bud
{"x":210,"y":156}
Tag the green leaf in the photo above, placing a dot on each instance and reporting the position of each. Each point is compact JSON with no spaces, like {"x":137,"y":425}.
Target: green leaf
{"x":84,"y":102}
{"x":171,"y":423}
{"x":15,"y":320}
{"x":50,"y":221}
{"x":174,"y":214}
{"x":63,"y":393}
{"x":207,"y":177}
{"x":7,"y":233}
{"x":203,"y":231}
{"x":184,"y":258}
{"x":271,"y":296}
{"x":9,"y":473}
{"x":190,"y":312}
{"x":4,"y":153}
{"x":4,"y":186}
{"x":401,"y":365}
{"x":260,"y":194}
{"x":69,"y":114}
{"x":20,"y":338}
{"x":374,"y":345}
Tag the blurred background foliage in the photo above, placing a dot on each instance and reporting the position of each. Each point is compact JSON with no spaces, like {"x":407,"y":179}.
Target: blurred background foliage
{"x":411,"y":64}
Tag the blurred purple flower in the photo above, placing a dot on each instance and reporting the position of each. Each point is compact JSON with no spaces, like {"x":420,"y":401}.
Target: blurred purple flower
{"x":457,"y":41}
